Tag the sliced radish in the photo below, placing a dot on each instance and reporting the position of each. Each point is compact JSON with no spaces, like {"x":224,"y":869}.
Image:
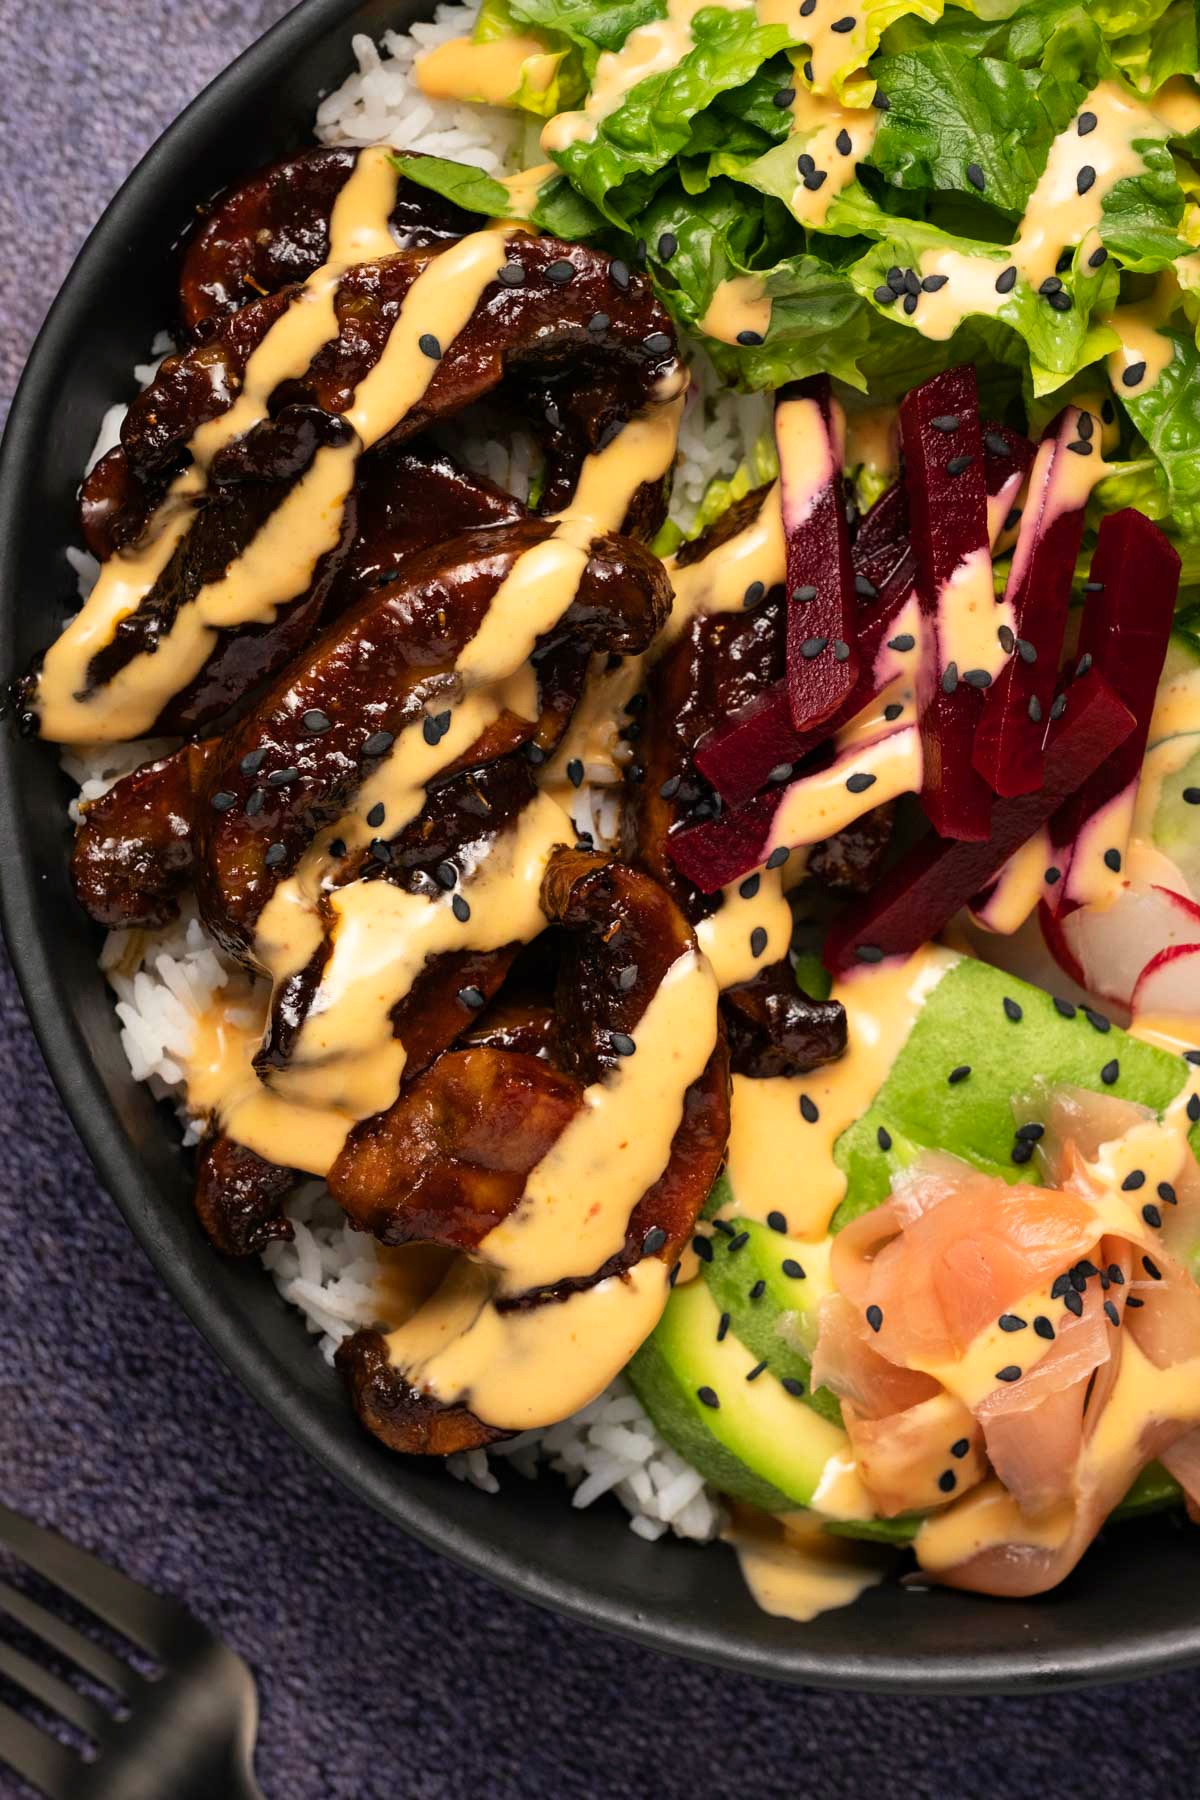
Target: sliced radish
{"x":1111,"y":945}
{"x":1126,"y":627}
{"x":1170,"y":983}
{"x":948,"y":524}
{"x":938,"y":876}
{"x":822,"y":653}
{"x":1008,"y":744}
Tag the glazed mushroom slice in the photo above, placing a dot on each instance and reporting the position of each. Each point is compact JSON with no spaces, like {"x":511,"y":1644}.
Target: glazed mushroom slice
{"x":272,"y":229}
{"x":458,"y":828}
{"x":775,"y":1029}
{"x":400,"y":1414}
{"x":852,"y":861}
{"x":133,"y":854}
{"x":239,"y":1197}
{"x":384,"y":682}
{"x":543,"y":327}
{"x":458,"y":1146}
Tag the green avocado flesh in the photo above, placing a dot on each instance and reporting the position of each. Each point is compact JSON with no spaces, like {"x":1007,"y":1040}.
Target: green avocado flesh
{"x":964,"y":1022}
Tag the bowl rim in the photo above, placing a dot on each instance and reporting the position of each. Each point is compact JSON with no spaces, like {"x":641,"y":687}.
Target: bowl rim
{"x":112,"y":1151}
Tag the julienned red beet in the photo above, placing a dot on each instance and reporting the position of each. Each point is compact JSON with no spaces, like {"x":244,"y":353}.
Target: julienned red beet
{"x":948,"y":522}
{"x":938,"y":876}
{"x":1008,"y":743}
{"x":822,"y":655}
{"x":1129,"y":604}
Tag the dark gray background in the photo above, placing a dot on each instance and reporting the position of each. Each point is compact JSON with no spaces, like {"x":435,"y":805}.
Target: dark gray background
{"x":384,"y":1672}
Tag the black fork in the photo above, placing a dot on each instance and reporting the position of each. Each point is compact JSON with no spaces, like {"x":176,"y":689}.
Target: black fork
{"x":186,"y":1734}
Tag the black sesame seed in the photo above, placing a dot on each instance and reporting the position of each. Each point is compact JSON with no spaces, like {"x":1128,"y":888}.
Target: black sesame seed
{"x":910,"y":304}
{"x":813,"y":646}
{"x":1191,"y":1056}
{"x":881,"y":103}
{"x":1065,"y":1008}
{"x":869,"y":953}
{"x":627,"y":978}
{"x":471,"y":997}
{"x":809,"y":1109}
{"x":958,"y":465}
{"x":904,"y":641}
{"x":1059,"y":707}
{"x":884,"y":296}
{"x":1086,"y":179}
{"x":429,"y":346}
{"x":460,"y":909}
{"x":1115,"y":1275}
{"x":1007,"y":280}
{"x":222,"y":800}
{"x":875,"y":1317}
{"x":892,"y":710}
{"x":865,"y":588}
{"x":316,"y":721}
{"x":381,"y":850}
{"x":1133,"y":374}
{"x":815,"y":180}
{"x":776,"y":1221}
{"x":946,"y":422}
{"x":754,"y":1373}
{"x":1083,"y":665}
{"x":977,"y":678}
{"x":1012,"y":518}
{"x":947,"y":1481}
{"x":1051,"y":285}
{"x":1087,"y":425}
{"x":1133,"y":1300}
{"x":758,"y":941}
{"x":807,"y":69}
{"x":619,"y":273}
{"x":276,"y":853}
{"x":654,"y":1240}
{"x":622,"y":1043}
{"x":1060,"y":302}
{"x":673,"y":1277}
{"x":255,"y":802}
{"x":658,"y":343}
{"x":792,"y":1269}
{"x":1012,"y":1010}
{"x":783,"y":97}
{"x":1043,"y":1327}
{"x":802,"y":594}
{"x":511,"y":274}
{"x":749,"y":338}
{"x":1080,"y":447}
{"x":959,"y":1447}
{"x":1021,"y":1152}
{"x":575,"y":772}
{"x":1009,"y":1372}
{"x":976,"y":176}
{"x":1135,"y":1179}
{"x":252,"y":762}
{"x":1097,"y":1021}
{"x":738,"y":1242}
{"x":959,"y":1074}
{"x":1074,"y":1303}
{"x":560,"y":273}
{"x":1152,"y":1215}
{"x":883,"y":1138}
{"x":670,"y":787}
{"x":668,"y":244}
{"x":1096,"y":261}
{"x":859,"y":782}
{"x":1052,"y":876}
{"x":378,"y":744}
{"x":844,"y":142}
{"x":758,"y":1290}
{"x":1113,"y":1315}
{"x":1152,"y":1269}
{"x":1061,"y":1284}
{"x":807,"y":7}
{"x":707,"y":1397}
{"x":376,"y":814}
{"x":1085,"y":122}
{"x":723,"y":1226}
{"x":703,"y":1247}
{"x":1110,"y":1072}
{"x":778,"y":857}
{"x":446,"y":875}
{"x":755,"y":593}
{"x":337,"y":847}
{"x":1011,"y":1322}
{"x":843,"y":25}
{"x":1167,"y":1192}
{"x":534,"y":755}
{"x":950,"y":678}
{"x":430,"y":731}
{"x":933,"y":284}
{"x":791,"y":1386}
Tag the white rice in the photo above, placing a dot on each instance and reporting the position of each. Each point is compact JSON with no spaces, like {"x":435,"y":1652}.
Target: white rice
{"x":165,"y":980}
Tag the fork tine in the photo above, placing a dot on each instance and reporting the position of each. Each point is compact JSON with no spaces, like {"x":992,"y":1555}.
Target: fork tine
{"x":43,"y":1761}
{"x":67,"y":1641}
{"x":131,"y":1609}
{"x":76,"y":1708}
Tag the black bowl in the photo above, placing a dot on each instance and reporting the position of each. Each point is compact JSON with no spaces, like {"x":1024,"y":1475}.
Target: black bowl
{"x":1133,"y":1609}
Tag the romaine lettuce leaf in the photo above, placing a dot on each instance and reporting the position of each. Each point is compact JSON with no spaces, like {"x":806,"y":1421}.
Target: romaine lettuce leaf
{"x":1167,"y":415}
{"x":949,"y":111}
{"x":558,"y":208}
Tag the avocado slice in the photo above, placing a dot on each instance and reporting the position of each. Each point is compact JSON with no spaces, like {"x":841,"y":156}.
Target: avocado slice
{"x":759,"y":1443}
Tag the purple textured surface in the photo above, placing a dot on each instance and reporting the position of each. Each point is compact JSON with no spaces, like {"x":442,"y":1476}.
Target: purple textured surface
{"x":383,"y":1671}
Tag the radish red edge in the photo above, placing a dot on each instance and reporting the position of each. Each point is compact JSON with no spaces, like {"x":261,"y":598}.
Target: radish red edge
{"x":822,"y":652}
{"x":1008,"y":744}
{"x":938,"y":876}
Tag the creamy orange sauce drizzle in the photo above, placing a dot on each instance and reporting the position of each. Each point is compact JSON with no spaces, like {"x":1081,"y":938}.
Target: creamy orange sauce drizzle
{"x":795,"y":1570}
{"x":819,"y":805}
{"x":1144,"y":352}
{"x":1020,"y":886}
{"x":489,"y":72}
{"x":739,"y":304}
{"x":780,"y":1161}
{"x":719,"y":581}
{"x":725,"y":936}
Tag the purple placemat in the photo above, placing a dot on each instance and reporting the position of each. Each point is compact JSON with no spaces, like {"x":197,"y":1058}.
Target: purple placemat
{"x":384,"y":1672}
